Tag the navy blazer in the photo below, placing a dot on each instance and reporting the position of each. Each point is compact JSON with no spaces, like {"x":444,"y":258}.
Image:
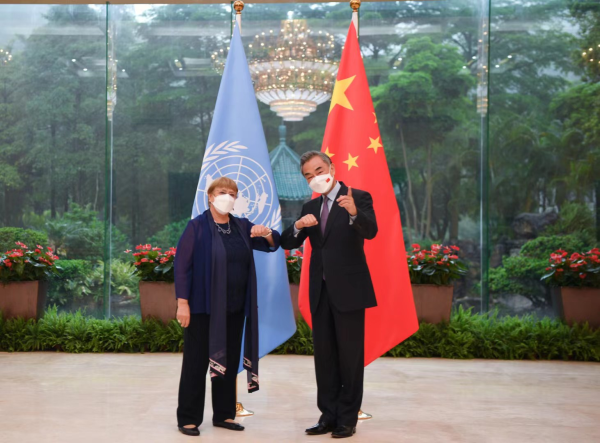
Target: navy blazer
{"x":193,"y":264}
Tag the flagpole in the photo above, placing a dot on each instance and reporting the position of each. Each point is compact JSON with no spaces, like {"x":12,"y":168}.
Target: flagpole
{"x":355,"y":5}
{"x":238,"y":6}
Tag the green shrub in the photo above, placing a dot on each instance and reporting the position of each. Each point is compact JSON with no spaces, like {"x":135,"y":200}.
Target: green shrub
{"x":81,"y":278}
{"x":72,"y":269}
{"x":8,"y":237}
{"x":84,"y":237}
{"x":78,"y":233}
{"x":467,"y":335}
{"x":508,"y":338}
{"x":75,"y":280}
{"x":543,"y":246}
{"x":521,"y":274}
{"x":488,"y":336}
{"x":74,"y":332}
{"x":123,"y":279}
{"x":577,"y":219}
{"x":168,"y":236}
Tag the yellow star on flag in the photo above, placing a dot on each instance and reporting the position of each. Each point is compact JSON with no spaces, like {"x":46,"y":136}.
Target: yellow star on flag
{"x":351,"y":161}
{"x":375,"y":143}
{"x":329,"y":154}
{"x":339,"y":94}
{"x":375,"y":118}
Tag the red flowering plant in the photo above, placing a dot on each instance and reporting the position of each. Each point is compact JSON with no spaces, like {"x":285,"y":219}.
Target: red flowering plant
{"x":437,"y":266}
{"x":28,"y":264}
{"x":152,"y":264}
{"x":294,"y":265}
{"x":575,"y":269}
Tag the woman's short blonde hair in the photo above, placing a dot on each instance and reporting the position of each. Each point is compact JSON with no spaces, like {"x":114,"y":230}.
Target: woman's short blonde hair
{"x":222,"y":182}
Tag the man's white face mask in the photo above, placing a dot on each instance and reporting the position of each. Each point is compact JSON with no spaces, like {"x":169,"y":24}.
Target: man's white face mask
{"x":224,"y":203}
{"x":322,"y":184}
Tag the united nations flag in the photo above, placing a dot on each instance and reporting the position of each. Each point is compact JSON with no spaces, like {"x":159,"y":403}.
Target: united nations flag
{"x":237,"y":149}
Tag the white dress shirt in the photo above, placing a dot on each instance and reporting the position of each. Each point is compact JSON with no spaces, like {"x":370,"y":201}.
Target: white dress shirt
{"x":331,"y":196}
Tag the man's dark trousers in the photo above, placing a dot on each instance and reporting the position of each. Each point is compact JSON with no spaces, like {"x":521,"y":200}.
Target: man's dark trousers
{"x":339,"y":344}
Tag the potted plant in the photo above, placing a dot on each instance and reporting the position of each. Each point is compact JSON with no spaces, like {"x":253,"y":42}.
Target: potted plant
{"x":431,"y":275}
{"x":294,"y":269}
{"x":157,"y":288}
{"x":575,"y":285}
{"x":23,"y":280}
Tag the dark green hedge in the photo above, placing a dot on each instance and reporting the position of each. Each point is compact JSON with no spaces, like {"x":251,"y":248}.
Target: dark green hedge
{"x":468,"y":335}
{"x":8,"y":237}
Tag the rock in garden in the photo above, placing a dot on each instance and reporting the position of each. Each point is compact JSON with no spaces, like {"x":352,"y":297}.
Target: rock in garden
{"x":528,"y":225}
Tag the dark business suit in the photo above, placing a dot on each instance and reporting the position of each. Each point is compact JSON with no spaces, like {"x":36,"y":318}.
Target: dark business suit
{"x":340,"y":290}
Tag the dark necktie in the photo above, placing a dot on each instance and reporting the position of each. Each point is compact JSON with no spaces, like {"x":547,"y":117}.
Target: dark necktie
{"x":324,"y":217}
{"x":324,"y":214}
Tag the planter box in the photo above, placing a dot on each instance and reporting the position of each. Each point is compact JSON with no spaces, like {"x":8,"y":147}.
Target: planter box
{"x":577,"y":305}
{"x":433,"y":303}
{"x":26,"y":299}
{"x":157,"y":300}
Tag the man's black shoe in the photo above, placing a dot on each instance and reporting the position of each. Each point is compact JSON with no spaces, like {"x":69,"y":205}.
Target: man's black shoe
{"x":343,"y":432}
{"x":320,"y":429}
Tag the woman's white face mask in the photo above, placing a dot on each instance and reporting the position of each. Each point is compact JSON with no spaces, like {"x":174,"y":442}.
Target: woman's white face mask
{"x":224,"y":203}
{"x":322,"y":184}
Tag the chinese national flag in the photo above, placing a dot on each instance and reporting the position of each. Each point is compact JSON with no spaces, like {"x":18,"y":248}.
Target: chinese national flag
{"x":353,"y":142}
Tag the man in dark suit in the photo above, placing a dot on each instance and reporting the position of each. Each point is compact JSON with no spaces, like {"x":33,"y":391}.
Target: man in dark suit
{"x":337,"y":223}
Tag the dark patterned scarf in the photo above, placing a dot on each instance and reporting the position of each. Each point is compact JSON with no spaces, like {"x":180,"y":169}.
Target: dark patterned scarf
{"x":218,"y":315}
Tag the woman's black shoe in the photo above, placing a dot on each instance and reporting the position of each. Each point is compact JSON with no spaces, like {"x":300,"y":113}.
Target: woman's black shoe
{"x":194,"y":432}
{"x":228,"y":425}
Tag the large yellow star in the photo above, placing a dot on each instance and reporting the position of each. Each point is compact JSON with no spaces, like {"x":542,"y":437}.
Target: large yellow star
{"x":375,"y":143}
{"x":328,"y":153}
{"x":339,"y":94}
{"x":351,"y":161}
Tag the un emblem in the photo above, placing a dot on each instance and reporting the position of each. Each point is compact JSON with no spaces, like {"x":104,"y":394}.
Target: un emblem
{"x":256,"y":197}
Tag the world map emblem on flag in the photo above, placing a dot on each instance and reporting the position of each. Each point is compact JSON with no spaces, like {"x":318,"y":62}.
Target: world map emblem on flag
{"x":256,"y":197}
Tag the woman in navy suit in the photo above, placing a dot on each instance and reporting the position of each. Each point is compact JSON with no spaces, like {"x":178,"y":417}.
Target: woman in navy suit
{"x":215,"y":284}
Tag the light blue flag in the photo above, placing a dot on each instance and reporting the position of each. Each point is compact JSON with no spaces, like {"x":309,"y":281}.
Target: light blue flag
{"x":237,"y":149}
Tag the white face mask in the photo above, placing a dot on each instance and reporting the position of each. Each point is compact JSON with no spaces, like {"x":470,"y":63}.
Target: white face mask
{"x":321,"y":184}
{"x":223,"y":203}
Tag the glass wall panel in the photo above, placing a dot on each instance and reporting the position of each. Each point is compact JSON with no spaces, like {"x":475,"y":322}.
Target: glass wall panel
{"x":166,"y":88}
{"x":509,"y":143}
{"x":421,"y":60}
{"x":52,"y":141}
{"x":544,"y":139}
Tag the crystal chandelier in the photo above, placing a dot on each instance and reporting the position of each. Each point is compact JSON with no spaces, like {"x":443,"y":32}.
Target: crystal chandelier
{"x":293,"y":72}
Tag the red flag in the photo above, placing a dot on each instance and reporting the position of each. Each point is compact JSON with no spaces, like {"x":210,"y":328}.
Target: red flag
{"x":353,"y":142}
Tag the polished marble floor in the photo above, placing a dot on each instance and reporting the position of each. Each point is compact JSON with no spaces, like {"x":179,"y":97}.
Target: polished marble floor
{"x":120,"y":398}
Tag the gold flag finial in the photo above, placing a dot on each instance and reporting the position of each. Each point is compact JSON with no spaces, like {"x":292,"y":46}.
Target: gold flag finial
{"x":355,"y":4}
{"x":238,"y":6}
